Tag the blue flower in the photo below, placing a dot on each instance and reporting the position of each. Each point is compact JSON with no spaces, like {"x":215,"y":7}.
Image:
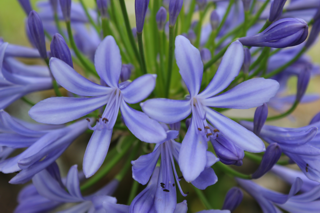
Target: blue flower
{"x":108,"y":64}
{"x":251,"y":93}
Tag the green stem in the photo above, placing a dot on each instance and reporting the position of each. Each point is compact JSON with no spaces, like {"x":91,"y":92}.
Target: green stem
{"x":129,"y":31}
{"x":141,"y":51}
{"x":170,"y":58}
{"x":203,"y":198}
{"x":133,"y":191}
{"x":259,"y":59}
{"x":188,"y":20}
{"x":105,"y":26}
{"x":231,"y":171}
{"x":215,"y":58}
{"x":28,"y":101}
{"x":54,"y":82}
{"x":257,"y":16}
{"x":89,"y":17}
{"x":199,"y":26}
{"x":225,"y":16}
{"x":288,"y":112}
{"x":161,"y":78}
{"x":257,"y":159}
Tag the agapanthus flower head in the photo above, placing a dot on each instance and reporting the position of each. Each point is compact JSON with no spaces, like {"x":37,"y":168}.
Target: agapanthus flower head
{"x":276,"y":9}
{"x":233,"y":199}
{"x":174,"y":10}
{"x":161,"y":18}
{"x":65,"y":6}
{"x":252,"y":93}
{"x":25,"y":4}
{"x":141,"y":7}
{"x":282,"y":33}
{"x":59,"y":49}
{"x":103,"y":7}
{"x":37,"y":33}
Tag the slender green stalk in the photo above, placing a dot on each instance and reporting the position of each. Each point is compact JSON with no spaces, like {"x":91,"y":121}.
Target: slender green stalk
{"x":105,"y":26}
{"x":246,"y":20}
{"x":84,"y":61}
{"x":202,"y":198}
{"x":259,"y":59}
{"x":129,"y":31}
{"x":108,"y":166}
{"x":231,"y":171}
{"x":161,"y":77}
{"x":89,"y":16}
{"x":199,"y":27}
{"x":258,"y":14}
{"x":28,"y":101}
{"x":188,"y":20}
{"x":133,"y":191}
{"x":257,"y":159}
{"x":170,"y":59}
{"x":288,"y":112}
{"x":231,"y":2}
{"x":215,"y":58}
{"x":141,"y":51}
{"x":54,"y":82}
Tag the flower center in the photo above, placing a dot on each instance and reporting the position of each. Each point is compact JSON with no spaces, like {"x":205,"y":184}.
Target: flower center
{"x":199,"y":118}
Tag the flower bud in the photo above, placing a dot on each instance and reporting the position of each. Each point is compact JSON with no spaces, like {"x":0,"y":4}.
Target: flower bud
{"x":141,"y":7}
{"x":303,"y":82}
{"x":315,"y":30}
{"x":214,"y":20}
{"x":276,"y":9}
{"x":315,"y":119}
{"x":202,"y":4}
{"x":191,"y":36}
{"x":247,"y":60}
{"x":25,"y":4}
{"x":174,"y":10}
{"x":260,"y":117}
{"x":246,"y":4}
{"x":233,"y":199}
{"x":161,"y":18}
{"x":54,"y":5}
{"x":66,"y":9}
{"x":60,"y":50}
{"x":226,"y":151}
{"x":282,"y":33}
{"x":126,"y":70}
{"x":103,"y":8}
{"x":269,"y":159}
{"x":205,"y":55}
{"x":36,"y":31}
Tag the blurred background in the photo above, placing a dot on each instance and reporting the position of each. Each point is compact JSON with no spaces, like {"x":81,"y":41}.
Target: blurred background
{"x":12,"y":30}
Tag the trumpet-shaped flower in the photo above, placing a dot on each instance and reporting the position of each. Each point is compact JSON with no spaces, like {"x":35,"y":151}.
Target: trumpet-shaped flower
{"x":59,"y":110}
{"x":251,"y":93}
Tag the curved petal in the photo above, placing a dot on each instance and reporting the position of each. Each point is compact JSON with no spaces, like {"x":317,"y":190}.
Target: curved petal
{"x":107,"y":61}
{"x":207,"y":178}
{"x":228,"y":69}
{"x":80,"y":208}
{"x":72,"y":183}
{"x":192,"y":157}
{"x":96,"y":151}
{"x":143,"y":167}
{"x":3,"y":48}
{"x":16,"y":141}
{"x":239,"y":135}
{"x":143,"y":127}
{"x":181,"y":207}
{"x":73,"y":81}
{"x":251,"y":93}
{"x":190,"y":64}
{"x":139,"y":89}
{"x":61,"y":110}
{"x":166,"y":110}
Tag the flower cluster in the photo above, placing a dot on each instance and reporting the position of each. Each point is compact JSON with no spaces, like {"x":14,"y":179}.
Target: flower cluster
{"x":154,"y":96}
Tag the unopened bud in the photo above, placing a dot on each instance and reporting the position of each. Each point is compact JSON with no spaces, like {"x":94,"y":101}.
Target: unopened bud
{"x":260,"y":117}
{"x":276,"y":9}
{"x":174,"y":10}
{"x":247,"y":60}
{"x":246,"y":4}
{"x":103,"y":8}
{"x":214,"y":20}
{"x":205,"y":55}
{"x":60,"y":50}
{"x":126,"y":71}
{"x":303,"y":82}
{"x":66,"y":9}
{"x":233,"y":199}
{"x":141,"y":7}
{"x":161,"y":18}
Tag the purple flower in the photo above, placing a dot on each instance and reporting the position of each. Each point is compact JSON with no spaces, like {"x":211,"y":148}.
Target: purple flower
{"x":246,"y":4}
{"x":282,"y":33}
{"x":165,"y":190}
{"x":174,"y":10}
{"x":66,"y":9}
{"x":247,"y":60}
{"x":25,"y":4}
{"x":60,"y":110}
{"x":60,"y":50}
{"x":252,"y":93}
{"x":260,"y":117}
{"x":276,"y":9}
{"x":141,"y":7}
{"x":103,"y":7}
{"x":205,"y":55}
{"x":126,"y":71}
{"x":214,"y":20}
{"x":161,"y":18}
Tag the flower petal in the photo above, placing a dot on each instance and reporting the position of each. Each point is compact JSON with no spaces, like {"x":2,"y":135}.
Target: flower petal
{"x":192,"y":157}
{"x":228,"y":69}
{"x":233,"y":131}
{"x":143,"y":167}
{"x":3,"y":48}
{"x":107,"y":61}
{"x":96,"y":151}
{"x":61,"y":110}
{"x":72,"y":183}
{"x":80,"y":208}
{"x":139,"y":89}
{"x":249,"y":94}
{"x":166,"y":110}
{"x":181,"y":207}
{"x":16,"y":141}
{"x":207,"y":178}
{"x":73,"y":81}
{"x":190,"y":64}
{"x":143,"y":127}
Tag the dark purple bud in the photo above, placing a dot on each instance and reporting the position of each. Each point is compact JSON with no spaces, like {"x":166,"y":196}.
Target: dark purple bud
{"x":269,"y":159}
{"x":247,"y":60}
{"x":134,"y":32}
{"x":282,"y":33}
{"x":315,"y":30}
{"x":175,"y":126}
{"x":191,"y":36}
{"x":126,"y":71}
{"x":226,"y":151}
{"x":25,"y":4}
{"x":214,"y":20}
{"x":161,"y":18}
{"x":246,"y":4}
{"x":141,"y":7}
{"x":66,"y":9}
{"x":276,"y":9}
{"x":315,"y":119}
{"x":317,"y":15}
{"x":174,"y":10}
{"x":54,"y":5}
{"x":260,"y":117}
{"x":60,"y":50}
{"x":103,"y":8}
{"x":303,"y":82}
{"x":37,"y":33}
{"x":202,"y":4}
{"x":233,"y":199}
{"x":188,"y":121}
{"x":205,"y":55}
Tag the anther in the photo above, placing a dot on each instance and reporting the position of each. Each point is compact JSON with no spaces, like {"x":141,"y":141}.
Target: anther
{"x":307,"y":167}
{"x":99,"y":116}
{"x":173,"y":184}
{"x":209,"y":134}
{"x":88,"y":119}
{"x":166,"y":190}
{"x":105,"y":120}
{"x":181,"y":177}
{"x":199,"y":129}
{"x":206,"y":127}
{"x":216,"y":130}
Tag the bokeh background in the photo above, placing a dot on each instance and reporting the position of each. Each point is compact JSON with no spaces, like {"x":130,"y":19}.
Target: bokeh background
{"x":12,"y":30}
